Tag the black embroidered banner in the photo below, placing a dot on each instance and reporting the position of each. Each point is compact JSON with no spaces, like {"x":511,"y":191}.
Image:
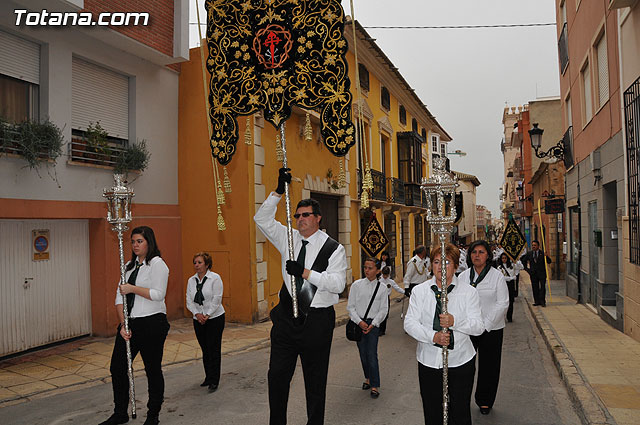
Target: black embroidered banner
{"x":271,"y":55}
{"x":512,"y":240}
{"x":373,"y":239}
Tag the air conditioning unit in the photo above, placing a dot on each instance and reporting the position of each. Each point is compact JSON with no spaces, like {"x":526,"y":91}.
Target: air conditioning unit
{"x":594,"y":160}
{"x":619,"y":4}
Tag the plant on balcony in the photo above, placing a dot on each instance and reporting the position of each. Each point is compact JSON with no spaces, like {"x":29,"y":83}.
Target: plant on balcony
{"x":38,"y":142}
{"x":134,"y":157}
{"x":96,"y":138}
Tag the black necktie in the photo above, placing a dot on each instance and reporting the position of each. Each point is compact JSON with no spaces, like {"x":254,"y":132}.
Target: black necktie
{"x":305,"y":292}
{"x":132,"y":281}
{"x":199,"y":298}
{"x":300,"y":260}
{"x":436,"y":316}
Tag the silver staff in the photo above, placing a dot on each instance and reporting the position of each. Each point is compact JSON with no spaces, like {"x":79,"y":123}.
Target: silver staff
{"x":119,"y":215}
{"x":440,"y":192}
{"x":287,"y":198}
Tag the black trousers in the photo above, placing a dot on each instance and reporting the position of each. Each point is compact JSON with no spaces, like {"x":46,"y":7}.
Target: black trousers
{"x":539,"y":290}
{"x":147,"y":337}
{"x":310,"y":339}
{"x":512,"y":295}
{"x":209,"y":337}
{"x":489,"y":352}
{"x":460,"y":388}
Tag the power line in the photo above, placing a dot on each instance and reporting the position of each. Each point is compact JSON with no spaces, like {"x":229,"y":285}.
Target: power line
{"x":439,"y":27}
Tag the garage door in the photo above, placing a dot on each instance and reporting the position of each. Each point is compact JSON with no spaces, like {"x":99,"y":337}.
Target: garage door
{"x":47,"y":300}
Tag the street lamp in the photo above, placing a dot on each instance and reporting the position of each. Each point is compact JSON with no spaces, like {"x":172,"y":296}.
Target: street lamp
{"x":519,"y":191}
{"x":556,"y":151}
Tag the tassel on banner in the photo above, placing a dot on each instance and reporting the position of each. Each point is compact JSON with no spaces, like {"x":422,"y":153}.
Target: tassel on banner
{"x":221,"y":224}
{"x":247,"y":134}
{"x":227,"y":181}
{"x":279,"y":151}
{"x":342,"y":177}
{"x":367,"y":183}
{"x":220,"y":195}
{"x":364,"y":199}
{"x":308,"y":130}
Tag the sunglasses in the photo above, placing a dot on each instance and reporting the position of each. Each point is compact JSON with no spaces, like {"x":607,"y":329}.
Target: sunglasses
{"x":304,"y":214}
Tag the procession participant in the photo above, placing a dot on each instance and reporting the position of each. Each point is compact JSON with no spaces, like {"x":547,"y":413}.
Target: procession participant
{"x":417,"y":269}
{"x":204,"y":301}
{"x":533,"y":262}
{"x":424,"y":322}
{"x":510,"y":272}
{"x":369,"y":291}
{"x":320,"y":272}
{"x":494,"y":301}
{"x":386,"y":264}
{"x":147,"y":277}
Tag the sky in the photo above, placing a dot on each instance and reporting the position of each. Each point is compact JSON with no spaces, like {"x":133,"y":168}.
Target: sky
{"x":465,"y":76}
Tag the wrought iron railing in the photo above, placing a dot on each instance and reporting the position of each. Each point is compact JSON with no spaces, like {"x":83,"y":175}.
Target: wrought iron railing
{"x":395,"y":190}
{"x":80,"y":152}
{"x":563,"y":49}
{"x":379,"y":187}
{"x":412,"y":195}
{"x":632,"y":121}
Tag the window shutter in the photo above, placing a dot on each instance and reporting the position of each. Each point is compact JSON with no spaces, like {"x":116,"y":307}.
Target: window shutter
{"x":99,"y":94}
{"x":19,"y":58}
{"x":603,"y":71}
{"x":586,"y":80}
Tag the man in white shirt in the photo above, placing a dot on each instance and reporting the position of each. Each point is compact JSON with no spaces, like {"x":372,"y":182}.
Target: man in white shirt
{"x":417,"y":269}
{"x":320,"y":272}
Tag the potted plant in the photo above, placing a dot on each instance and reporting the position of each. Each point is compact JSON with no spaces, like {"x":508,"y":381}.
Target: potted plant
{"x":96,"y":138}
{"x":39,"y":142}
{"x":134,"y":157}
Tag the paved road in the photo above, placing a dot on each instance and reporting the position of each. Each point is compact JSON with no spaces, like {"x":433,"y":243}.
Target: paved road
{"x":530,"y":391}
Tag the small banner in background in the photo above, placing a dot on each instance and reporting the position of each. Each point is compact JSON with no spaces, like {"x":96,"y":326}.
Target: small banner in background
{"x":373,"y":239}
{"x":512,"y":240}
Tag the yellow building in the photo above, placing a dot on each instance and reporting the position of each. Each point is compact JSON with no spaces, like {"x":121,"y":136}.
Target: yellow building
{"x":399,"y":137}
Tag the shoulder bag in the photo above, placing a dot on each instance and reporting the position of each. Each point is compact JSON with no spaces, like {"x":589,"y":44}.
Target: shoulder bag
{"x":353,"y":330}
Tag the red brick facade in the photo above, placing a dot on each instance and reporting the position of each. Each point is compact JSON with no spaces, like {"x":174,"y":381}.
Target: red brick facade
{"x":158,"y":34}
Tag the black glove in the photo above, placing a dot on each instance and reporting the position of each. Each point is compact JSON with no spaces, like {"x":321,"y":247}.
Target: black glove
{"x":294,"y":268}
{"x":284,"y":176}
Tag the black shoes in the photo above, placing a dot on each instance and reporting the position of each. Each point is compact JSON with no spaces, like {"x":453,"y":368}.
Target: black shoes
{"x":485,"y":410}
{"x":375,"y":393}
{"x":213,"y":388}
{"x":152,"y":420}
{"x":205,"y":383}
{"x":116,"y":419}
{"x":366,"y":385}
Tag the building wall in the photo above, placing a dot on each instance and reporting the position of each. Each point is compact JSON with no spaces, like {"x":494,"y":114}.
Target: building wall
{"x":548,"y":114}
{"x":629,"y":21}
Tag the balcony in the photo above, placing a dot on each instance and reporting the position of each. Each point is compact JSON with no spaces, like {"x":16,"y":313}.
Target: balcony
{"x":563,"y":49}
{"x":106,"y":157}
{"x":379,"y":192}
{"x":395,"y":190}
{"x":412,"y":195}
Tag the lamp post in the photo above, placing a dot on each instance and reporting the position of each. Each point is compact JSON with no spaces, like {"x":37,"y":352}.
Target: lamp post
{"x":440,"y":192}
{"x":119,"y":215}
{"x":555,"y":152}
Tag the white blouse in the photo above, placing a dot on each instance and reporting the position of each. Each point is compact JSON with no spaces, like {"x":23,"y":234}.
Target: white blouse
{"x":463,"y":304}
{"x":510,"y":273}
{"x":155,"y":276}
{"x":212,"y":291}
{"x":494,"y":297}
{"x":360,"y":295}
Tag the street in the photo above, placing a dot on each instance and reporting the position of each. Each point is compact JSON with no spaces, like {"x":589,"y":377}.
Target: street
{"x":530,"y":390}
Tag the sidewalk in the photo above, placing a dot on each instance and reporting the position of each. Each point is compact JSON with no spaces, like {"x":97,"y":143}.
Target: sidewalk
{"x":85,"y":362}
{"x":599,"y":365}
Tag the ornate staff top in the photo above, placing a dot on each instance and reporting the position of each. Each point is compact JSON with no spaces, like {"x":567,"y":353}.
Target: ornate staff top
{"x":440,"y":191}
{"x":118,"y":202}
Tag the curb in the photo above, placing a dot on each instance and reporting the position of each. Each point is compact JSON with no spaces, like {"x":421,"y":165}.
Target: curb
{"x":586,"y":403}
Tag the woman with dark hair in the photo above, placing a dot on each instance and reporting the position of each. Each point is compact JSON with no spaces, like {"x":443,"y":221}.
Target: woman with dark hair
{"x":204,"y":300}
{"x":425,"y":321}
{"x":510,"y":272}
{"x":494,"y":301}
{"x":146,"y":277}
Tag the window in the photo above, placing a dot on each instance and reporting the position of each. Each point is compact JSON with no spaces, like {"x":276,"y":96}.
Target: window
{"x":586,"y":91}
{"x":567,"y":108}
{"x":363,"y":73}
{"x":414,"y":125}
{"x":384,"y":142}
{"x":443,"y":149}
{"x":417,"y":224}
{"x":574,"y":240}
{"x":90,"y":83}
{"x":409,"y":157}
{"x":602,"y":76}
{"x":435,"y":142}
{"x":424,"y":134}
{"x":385,"y":98}
{"x":403,"y":115}
{"x":19,"y":78}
